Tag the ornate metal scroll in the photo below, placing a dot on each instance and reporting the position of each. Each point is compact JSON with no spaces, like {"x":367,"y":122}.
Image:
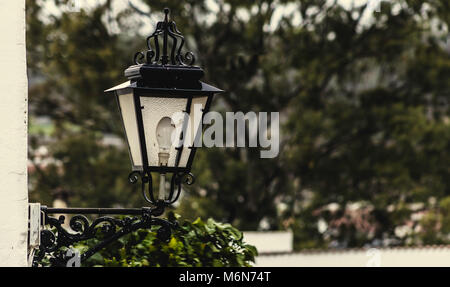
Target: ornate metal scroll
{"x":165,"y":29}
{"x":175,"y":186}
{"x":55,"y":241}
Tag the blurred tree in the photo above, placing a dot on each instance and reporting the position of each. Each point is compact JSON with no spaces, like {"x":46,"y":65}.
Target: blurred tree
{"x":363,"y":98}
{"x":370,"y":121}
{"x":72,"y":58}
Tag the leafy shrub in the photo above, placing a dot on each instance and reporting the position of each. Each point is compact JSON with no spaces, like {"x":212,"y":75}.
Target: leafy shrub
{"x":192,"y":244}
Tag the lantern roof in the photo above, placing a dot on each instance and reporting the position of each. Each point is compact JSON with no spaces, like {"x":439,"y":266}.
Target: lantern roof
{"x":204,"y":88}
{"x":159,"y":72}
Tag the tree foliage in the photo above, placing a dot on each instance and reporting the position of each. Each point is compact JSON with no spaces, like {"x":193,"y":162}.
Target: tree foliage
{"x":363,"y":98}
{"x":192,"y":244}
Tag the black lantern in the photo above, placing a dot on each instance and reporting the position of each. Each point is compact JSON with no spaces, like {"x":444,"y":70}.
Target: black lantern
{"x":163,"y":86}
{"x":160,"y":86}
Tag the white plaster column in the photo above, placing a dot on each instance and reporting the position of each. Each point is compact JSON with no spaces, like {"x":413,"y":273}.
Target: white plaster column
{"x":13,"y":135}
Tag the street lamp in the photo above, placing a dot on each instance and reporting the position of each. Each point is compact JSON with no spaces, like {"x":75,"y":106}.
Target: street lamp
{"x":160,"y":86}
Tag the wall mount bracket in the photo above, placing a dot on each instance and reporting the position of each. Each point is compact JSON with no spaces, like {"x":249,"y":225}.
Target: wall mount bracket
{"x":54,"y":242}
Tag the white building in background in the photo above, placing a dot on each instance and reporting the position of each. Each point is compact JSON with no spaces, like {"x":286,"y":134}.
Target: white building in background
{"x":275,"y":250}
{"x":269,"y":242}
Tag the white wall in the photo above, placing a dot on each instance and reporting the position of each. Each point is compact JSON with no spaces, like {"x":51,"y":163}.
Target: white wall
{"x":13,"y":135}
{"x":270,"y":241}
{"x":385,"y":257}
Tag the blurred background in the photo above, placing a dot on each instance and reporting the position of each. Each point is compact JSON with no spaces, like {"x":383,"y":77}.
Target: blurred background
{"x":362,"y":90}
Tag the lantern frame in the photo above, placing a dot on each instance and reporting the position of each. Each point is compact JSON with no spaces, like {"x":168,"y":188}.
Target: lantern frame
{"x":188,"y":94}
{"x":171,"y":76}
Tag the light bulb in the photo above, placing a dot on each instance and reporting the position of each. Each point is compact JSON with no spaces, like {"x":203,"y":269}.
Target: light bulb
{"x":164,"y":131}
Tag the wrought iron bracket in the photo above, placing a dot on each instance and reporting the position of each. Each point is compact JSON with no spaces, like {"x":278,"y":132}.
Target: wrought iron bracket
{"x":147,"y":186}
{"x":106,"y":229}
{"x":56,"y":238}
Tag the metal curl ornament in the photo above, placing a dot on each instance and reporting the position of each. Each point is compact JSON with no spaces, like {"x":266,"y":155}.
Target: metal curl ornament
{"x":175,"y":186}
{"x":189,"y":56}
{"x":189,"y":178}
{"x":138,"y":57}
{"x":146,"y":179}
{"x":165,"y":29}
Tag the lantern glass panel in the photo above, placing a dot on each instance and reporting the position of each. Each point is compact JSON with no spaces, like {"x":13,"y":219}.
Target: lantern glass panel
{"x":154,"y":109}
{"x":195,"y":119}
{"x":128,"y":112}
